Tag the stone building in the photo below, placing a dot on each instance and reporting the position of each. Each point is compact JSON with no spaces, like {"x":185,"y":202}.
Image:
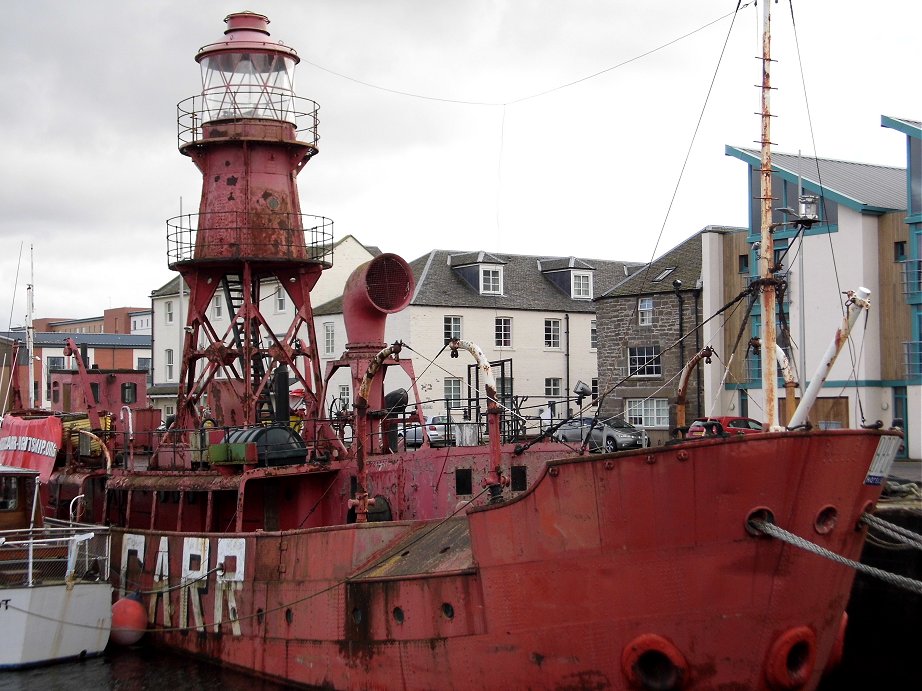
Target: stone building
{"x":641,"y":349}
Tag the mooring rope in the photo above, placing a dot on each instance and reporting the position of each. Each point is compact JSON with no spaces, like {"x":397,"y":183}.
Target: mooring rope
{"x":781,"y":534}
{"x":897,"y":532}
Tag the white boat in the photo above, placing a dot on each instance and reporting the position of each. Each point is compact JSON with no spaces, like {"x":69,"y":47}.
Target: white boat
{"x":55,"y":597}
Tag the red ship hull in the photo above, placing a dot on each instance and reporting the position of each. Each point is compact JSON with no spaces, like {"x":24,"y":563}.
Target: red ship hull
{"x":631,"y":570}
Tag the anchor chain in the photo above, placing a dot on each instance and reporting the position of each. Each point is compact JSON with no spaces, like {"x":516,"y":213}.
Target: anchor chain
{"x":781,"y":534}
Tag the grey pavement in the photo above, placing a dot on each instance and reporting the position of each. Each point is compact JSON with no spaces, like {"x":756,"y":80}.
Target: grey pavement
{"x":906,"y":471}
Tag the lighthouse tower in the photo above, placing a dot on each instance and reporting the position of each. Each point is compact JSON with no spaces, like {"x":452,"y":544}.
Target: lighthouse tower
{"x":250,"y":136}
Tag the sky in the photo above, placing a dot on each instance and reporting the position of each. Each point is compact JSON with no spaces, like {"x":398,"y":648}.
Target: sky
{"x":584,"y":128}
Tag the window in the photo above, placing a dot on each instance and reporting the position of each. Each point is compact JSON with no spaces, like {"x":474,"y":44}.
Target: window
{"x":645,"y":311}
{"x":552,"y":387}
{"x":781,"y":247}
{"x":899,"y":251}
{"x":552,"y":333}
{"x":9,"y":493}
{"x":647,"y":412}
{"x":55,"y":362}
{"x":144,"y":365}
{"x":593,"y":336}
{"x":217,"y":308}
{"x":452,"y":328}
{"x":744,"y":263}
{"x":504,"y":390}
{"x":168,"y":359}
{"x":491,"y":280}
{"x":644,"y":361}
{"x":581,"y":286}
{"x":595,"y":391}
{"x":452,"y":393}
{"x":280,"y":299}
{"x":344,"y":395}
{"x":129,"y":392}
{"x":503,"y":338}
{"x":329,"y":338}
{"x":168,"y":410}
{"x":168,"y":309}
{"x":662,"y":274}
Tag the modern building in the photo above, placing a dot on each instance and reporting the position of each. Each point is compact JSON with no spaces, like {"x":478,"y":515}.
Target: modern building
{"x":863,"y":238}
{"x":103,"y":351}
{"x":115,"y":320}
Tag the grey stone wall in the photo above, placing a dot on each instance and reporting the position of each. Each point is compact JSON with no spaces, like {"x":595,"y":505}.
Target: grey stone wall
{"x":618,"y":330}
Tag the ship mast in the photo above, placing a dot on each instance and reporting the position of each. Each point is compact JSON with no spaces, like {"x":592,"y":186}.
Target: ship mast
{"x":30,"y":330}
{"x":766,"y":248}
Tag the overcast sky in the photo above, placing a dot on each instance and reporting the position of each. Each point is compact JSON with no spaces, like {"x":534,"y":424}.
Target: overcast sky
{"x":91,"y":168}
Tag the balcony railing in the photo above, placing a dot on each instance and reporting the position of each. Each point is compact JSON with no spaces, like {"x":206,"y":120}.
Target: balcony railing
{"x":912,"y":359}
{"x":912,"y":276}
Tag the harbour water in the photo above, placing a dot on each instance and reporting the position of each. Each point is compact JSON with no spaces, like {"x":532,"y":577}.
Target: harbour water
{"x":137,"y":669}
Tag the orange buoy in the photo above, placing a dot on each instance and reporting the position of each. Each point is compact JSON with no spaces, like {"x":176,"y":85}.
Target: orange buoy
{"x":129,"y":621}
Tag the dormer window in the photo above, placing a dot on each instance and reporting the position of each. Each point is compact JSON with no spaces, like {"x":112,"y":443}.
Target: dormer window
{"x":581,"y":285}
{"x":491,"y":280}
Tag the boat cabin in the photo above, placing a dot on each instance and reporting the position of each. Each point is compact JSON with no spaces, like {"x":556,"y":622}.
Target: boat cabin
{"x":17,"y":492}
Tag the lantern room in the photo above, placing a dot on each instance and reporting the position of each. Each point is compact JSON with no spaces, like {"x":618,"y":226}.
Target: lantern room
{"x":247,"y":75}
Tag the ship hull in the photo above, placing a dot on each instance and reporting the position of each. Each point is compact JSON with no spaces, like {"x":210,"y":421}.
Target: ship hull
{"x":52,"y":623}
{"x":630,"y":570}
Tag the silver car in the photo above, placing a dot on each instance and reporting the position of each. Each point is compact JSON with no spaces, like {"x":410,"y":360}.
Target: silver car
{"x":438,"y":429}
{"x":612,"y":435}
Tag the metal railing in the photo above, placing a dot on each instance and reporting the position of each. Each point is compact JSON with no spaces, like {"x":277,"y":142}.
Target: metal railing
{"x":912,"y":359}
{"x":58,"y":552}
{"x":912,"y":276}
{"x":234,"y":235}
{"x":280,"y":107}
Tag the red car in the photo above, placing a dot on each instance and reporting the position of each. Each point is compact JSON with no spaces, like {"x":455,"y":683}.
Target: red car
{"x":703,"y":426}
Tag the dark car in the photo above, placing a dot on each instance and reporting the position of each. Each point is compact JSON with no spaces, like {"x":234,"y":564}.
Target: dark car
{"x":611,"y":435}
{"x":728,"y":424}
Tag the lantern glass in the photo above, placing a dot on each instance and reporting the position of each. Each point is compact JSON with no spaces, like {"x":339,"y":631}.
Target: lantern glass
{"x":809,"y":207}
{"x":248,"y":85}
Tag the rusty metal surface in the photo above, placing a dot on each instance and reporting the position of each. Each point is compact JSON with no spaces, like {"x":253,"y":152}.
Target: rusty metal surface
{"x":431,"y":549}
{"x":168,"y":481}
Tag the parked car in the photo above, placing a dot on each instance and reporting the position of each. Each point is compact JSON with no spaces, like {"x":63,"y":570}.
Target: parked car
{"x":728,"y":425}
{"x":608,"y":436}
{"x":438,"y":429}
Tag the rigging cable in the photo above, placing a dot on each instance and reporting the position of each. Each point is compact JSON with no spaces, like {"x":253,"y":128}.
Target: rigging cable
{"x":458,"y":101}
{"x":691,"y":145}
{"x":15,"y":285}
{"x":819,"y":180}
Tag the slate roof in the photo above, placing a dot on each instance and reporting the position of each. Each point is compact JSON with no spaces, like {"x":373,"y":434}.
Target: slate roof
{"x":94,"y":340}
{"x":525,"y":287}
{"x":685,"y":261}
{"x":860,"y":186}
